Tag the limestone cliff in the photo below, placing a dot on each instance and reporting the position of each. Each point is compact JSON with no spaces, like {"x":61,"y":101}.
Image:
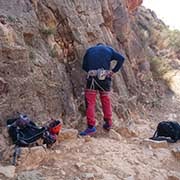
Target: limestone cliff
{"x":42,"y":43}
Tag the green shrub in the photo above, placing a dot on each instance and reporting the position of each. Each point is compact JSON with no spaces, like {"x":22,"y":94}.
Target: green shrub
{"x":31,"y":55}
{"x":175,"y":39}
{"x":53,"y":53}
{"x":11,"y":19}
{"x":160,"y":66}
{"x":48,"y":31}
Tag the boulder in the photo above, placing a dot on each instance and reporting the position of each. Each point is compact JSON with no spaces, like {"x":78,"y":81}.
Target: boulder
{"x":67,"y":134}
{"x":30,"y":175}
{"x":176,"y":153}
{"x":114,"y":135}
{"x":8,"y":171}
{"x":31,"y":158}
{"x":173,"y":175}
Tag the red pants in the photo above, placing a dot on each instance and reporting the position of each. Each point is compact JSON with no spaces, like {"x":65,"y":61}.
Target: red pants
{"x":90,"y":97}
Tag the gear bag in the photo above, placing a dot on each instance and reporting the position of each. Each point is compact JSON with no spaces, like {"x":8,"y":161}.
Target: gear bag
{"x":167,"y":130}
{"x":25,"y":132}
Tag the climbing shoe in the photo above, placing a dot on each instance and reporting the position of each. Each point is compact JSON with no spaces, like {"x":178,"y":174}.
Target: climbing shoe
{"x":107,"y":126}
{"x":88,"y":131}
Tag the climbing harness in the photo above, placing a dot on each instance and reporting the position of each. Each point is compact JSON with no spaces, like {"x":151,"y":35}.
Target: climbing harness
{"x":93,"y":85}
{"x":100,"y":74}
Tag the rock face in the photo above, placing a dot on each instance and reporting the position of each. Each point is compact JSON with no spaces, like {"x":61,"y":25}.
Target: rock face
{"x":42,"y":44}
{"x":133,"y":4}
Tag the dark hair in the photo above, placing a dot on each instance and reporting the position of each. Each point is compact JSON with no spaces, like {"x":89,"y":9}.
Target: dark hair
{"x":98,"y":44}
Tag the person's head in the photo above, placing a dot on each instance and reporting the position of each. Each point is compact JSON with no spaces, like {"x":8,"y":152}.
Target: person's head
{"x":100,"y":44}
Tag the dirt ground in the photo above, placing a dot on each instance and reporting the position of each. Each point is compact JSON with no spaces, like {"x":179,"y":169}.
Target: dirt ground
{"x":110,"y":156}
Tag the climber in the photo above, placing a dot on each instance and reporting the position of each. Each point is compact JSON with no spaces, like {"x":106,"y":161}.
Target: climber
{"x":97,"y":62}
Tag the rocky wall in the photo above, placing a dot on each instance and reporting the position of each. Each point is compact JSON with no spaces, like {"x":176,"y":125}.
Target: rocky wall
{"x":42,"y":43}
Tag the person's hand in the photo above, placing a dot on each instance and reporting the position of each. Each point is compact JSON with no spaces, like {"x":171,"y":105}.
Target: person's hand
{"x":111,"y":73}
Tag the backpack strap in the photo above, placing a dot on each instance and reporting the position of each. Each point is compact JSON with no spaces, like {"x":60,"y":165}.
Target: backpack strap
{"x":154,"y":136}
{"x":162,"y":138}
{"x":16,"y":154}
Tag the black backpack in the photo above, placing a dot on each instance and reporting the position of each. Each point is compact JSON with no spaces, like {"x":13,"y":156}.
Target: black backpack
{"x":167,"y":130}
{"x":25,"y":133}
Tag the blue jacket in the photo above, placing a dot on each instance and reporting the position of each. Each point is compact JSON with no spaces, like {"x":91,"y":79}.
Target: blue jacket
{"x":100,"y":56}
